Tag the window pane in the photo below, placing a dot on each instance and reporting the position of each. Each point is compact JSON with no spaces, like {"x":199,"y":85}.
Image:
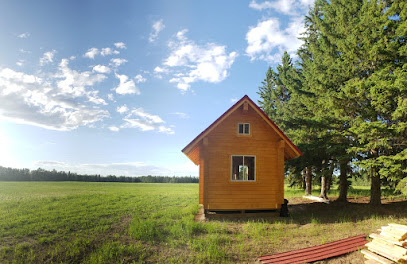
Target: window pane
{"x":249,"y":163}
{"x":237,"y":162}
{"x":243,"y":168}
{"x":246,"y":129}
{"x":243,"y":172}
{"x":240,"y":128}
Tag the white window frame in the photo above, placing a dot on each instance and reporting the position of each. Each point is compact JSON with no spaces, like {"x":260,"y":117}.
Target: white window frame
{"x":238,"y":126}
{"x":231,"y":168}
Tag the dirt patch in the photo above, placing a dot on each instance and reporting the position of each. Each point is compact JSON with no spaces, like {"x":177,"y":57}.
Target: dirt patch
{"x":313,"y":223}
{"x":307,"y":213}
{"x":350,"y":258}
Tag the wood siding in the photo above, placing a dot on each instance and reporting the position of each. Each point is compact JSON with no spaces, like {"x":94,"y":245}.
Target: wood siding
{"x":217,"y":191}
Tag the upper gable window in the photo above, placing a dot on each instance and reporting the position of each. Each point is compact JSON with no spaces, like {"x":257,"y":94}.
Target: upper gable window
{"x":243,"y":129}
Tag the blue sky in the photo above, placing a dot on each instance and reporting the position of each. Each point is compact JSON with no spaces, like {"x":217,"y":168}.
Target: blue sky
{"x":120,"y":87}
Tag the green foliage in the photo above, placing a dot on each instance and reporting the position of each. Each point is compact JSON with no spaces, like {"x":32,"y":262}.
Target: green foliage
{"x":402,"y":186}
{"x":359,"y":50}
{"x":346,"y":101}
{"x":285,"y":99}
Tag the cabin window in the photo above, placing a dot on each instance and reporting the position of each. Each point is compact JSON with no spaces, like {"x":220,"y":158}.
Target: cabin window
{"x":243,"y":129}
{"x":243,"y":168}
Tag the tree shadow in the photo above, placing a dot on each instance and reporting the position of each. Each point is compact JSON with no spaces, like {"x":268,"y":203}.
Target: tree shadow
{"x":315,"y":212}
{"x":337,"y":212}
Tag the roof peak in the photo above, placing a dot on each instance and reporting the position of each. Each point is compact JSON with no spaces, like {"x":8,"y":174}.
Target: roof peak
{"x":191,"y":145}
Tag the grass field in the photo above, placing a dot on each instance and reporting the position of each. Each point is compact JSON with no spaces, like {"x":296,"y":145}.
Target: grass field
{"x":78,"y":222}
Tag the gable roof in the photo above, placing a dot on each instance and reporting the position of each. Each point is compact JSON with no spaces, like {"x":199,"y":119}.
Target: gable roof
{"x":291,"y":153}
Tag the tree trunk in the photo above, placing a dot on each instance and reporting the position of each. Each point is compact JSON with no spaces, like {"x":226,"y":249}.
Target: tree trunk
{"x":329,"y":183}
{"x":308,"y":181}
{"x":343,"y":182}
{"x":326,"y":181}
{"x":303,"y":181}
{"x":323,"y":188}
{"x":375,"y":192}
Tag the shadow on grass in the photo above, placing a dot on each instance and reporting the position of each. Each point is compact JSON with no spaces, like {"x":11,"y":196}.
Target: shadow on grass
{"x":335,"y":212}
{"x":345,"y":212}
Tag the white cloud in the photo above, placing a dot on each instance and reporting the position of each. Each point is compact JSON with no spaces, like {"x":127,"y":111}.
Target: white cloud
{"x":24,"y":35}
{"x":91,"y":53}
{"x":114,"y":129}
{"x":139,"y":118}
{"x":73,"y":84}
{"x":24,"y":51}
{"x":181,"y":115}
{"x":117,"y":61}
{"x":110,"y":97}
{"x":192,"y":62}
{"x":167,"y":130}
{"x":47,"y":57}
{"x":20,"y":63}
{"x":122,"y":109}
{"x":94,"y":98}
{"x":143,"y":126}
{"x":106,"y":51}
{"x":287,"y":7}
{"x":46,"y":163}
{"x":134,"y":168}
{"x":40,"y":101}
{"x":146,"y":116}
{"x":120,"y":45}
{"x":281,"y":6}
{"x":126,"y":85}
{"x":158,"y":26}
{"x":267,"y":41}
{"x":101,"y":69}
{"x":158,"y":71}
{"x":307,"y":2}
{"x":233,"y":100}
{"x":140,"y":79}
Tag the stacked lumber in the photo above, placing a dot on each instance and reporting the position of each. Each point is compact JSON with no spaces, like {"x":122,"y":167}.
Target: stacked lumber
{"x":389,"y":246}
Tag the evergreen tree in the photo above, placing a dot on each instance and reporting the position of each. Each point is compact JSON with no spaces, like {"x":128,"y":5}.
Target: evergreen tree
{"x":353,"y":60}
{"x":284,"y":100}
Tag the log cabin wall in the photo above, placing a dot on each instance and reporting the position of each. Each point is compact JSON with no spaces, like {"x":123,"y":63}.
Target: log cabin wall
{"x":218,"y":191}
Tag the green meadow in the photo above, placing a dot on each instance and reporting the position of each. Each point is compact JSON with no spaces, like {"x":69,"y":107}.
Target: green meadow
{"x":81,"y":222}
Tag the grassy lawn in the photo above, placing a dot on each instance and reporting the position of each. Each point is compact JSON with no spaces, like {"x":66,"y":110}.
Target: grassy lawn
{"x":79,"y":222}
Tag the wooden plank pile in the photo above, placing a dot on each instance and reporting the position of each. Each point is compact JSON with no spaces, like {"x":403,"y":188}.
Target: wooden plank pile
{"x":389,"y":246}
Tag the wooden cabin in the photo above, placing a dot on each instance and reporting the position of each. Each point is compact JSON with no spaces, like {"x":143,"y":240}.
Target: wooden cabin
{"x":241,"y":160}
